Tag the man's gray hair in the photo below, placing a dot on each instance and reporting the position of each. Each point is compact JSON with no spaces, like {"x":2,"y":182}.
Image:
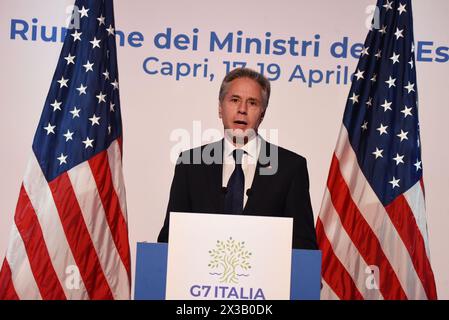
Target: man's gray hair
{"x":246,"y":73}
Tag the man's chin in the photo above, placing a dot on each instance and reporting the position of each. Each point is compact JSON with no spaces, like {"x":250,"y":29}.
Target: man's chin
{"x":239,"y":135}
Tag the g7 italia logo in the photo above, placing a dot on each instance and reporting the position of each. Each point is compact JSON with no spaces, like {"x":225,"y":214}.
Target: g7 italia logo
{"x":229,"y":257}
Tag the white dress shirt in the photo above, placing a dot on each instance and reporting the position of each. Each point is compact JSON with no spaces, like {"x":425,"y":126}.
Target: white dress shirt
{"x":249,"y":162}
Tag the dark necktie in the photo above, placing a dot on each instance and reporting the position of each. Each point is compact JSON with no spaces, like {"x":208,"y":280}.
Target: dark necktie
{"x":236,"y":186}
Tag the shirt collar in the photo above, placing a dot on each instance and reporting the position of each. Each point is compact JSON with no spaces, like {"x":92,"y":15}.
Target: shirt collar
{"x":251,"y":148}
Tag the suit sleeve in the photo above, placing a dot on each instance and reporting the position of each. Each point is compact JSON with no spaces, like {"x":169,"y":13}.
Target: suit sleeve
{"x":299,"y":207}
{"x":179,"y":198}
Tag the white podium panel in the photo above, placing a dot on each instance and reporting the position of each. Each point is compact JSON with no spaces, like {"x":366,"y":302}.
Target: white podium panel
{"x":216,"y":256}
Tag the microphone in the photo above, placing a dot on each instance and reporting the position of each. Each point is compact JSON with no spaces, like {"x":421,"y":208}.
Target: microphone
{"x":249,"y":192}
{"x":264,"y":165}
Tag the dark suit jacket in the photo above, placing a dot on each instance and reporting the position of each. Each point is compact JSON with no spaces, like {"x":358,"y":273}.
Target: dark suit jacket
{"x":198,"y":188}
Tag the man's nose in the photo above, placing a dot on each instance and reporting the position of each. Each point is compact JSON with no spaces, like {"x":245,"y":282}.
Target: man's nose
{"x":243,"y":107}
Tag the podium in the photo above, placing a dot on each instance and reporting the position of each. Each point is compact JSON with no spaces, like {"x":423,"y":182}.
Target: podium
{"x":151,"y":273}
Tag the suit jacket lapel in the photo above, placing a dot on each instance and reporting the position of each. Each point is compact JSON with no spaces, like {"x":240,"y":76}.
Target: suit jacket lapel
{"x":216,"y":177}
{"x":264,"y":156}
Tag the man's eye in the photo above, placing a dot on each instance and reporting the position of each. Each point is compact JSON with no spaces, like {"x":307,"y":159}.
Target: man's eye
{"x":234,"y":99}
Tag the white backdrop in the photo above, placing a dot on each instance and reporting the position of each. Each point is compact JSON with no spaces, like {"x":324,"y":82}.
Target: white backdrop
{"x":155,"y":106}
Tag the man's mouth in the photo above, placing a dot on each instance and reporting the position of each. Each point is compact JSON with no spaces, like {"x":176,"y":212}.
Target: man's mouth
{"x":241,"y":122}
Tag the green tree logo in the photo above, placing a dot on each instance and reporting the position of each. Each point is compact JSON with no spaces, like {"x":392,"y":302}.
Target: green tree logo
{"x":229,"y":255}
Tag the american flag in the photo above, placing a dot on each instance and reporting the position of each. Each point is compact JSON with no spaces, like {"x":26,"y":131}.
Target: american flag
{"x":70,"y":237}
{"x":372,"y":226}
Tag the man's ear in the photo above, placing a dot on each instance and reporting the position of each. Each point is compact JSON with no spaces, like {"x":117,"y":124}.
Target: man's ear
{"x":219,"y":110}
{"x":262,"y":115}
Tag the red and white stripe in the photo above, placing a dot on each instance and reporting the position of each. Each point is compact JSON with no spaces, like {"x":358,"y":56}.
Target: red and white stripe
{"x":73,"y":224}
{"x":355,"y":232}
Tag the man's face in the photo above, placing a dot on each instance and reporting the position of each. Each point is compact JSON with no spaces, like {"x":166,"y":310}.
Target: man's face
{"x":242,"y":108}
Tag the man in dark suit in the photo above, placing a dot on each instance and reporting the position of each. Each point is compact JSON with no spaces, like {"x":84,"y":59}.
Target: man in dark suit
{"x":243,"y":173}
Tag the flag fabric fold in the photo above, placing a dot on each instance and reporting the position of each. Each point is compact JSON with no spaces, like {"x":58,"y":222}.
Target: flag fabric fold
{"x":69,"y":239}
{"x":372,"y":226}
